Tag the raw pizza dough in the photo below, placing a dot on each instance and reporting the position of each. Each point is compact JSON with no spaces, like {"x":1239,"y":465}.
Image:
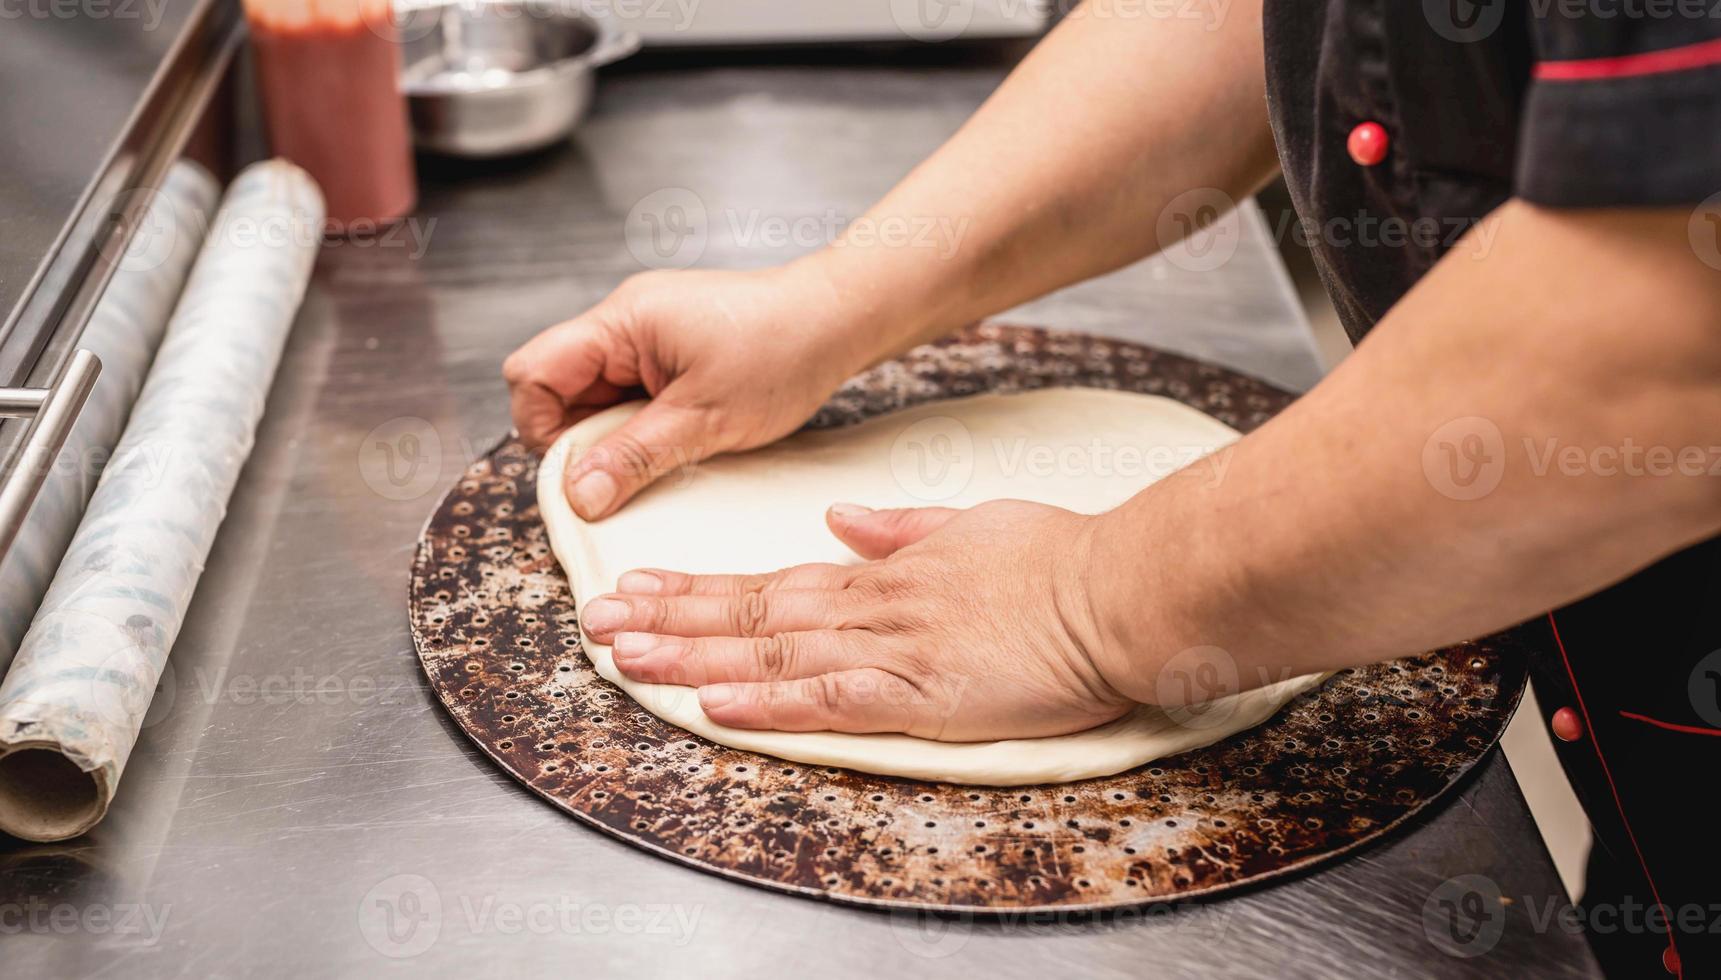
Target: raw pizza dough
{"x":1084,"y":449}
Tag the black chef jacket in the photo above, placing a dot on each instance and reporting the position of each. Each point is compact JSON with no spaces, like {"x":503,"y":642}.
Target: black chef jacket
{"x":1569,"y":104}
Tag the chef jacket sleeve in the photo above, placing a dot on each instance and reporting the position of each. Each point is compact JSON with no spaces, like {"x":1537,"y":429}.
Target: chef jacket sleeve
{"x":1624,"y":104}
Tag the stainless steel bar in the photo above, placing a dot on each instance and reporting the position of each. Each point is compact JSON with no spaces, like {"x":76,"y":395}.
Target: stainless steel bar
{"x":21,"y":403}
{"x":50,"y":423}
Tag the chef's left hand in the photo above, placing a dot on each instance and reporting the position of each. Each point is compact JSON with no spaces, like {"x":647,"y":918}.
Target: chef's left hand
{"x":966,"y":625}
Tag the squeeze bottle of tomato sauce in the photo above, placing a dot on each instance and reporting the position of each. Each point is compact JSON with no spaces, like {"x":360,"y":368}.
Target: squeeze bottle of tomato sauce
{"x":329,"y":71}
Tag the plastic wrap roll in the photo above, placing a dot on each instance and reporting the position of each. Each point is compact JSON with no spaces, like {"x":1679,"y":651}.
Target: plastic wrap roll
{"x":74,"y":701}
{"x":124,"y":331}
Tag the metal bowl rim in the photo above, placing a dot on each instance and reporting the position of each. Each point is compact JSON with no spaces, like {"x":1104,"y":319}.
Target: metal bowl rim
{"x":608,"y":43}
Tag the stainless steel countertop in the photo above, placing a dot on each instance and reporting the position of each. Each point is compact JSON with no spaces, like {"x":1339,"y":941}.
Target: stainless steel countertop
{"x":59,"y":70}
{"x":299,"y":805}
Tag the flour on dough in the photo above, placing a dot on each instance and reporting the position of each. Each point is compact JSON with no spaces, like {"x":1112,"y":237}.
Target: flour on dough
{"x":1084,"y":449}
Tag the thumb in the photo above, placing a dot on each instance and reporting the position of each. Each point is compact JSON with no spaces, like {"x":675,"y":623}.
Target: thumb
{"x":879,"y":533}
{"x":658,"y":439}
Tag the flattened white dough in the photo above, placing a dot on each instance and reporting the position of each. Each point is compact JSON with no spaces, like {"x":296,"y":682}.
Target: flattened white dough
{"x":1083,"y":449}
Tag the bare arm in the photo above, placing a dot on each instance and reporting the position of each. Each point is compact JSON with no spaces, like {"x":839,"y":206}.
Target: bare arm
{"x":1061,"y":174}
{"x":1580,"y":354}
{"x":1344,"y":531}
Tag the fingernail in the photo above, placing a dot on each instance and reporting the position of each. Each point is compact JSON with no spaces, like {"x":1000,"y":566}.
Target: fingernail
{"x":604,"y":615}
{"x":849,"y":512}
{"x":716,"y":696}
{"x":627,"y":646}
{"x":592,"y":494}
{"x":640,"y":583}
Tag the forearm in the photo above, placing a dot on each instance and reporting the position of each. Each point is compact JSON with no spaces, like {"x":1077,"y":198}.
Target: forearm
{"x":1338,"y":534}
{"x":1062,"y":174}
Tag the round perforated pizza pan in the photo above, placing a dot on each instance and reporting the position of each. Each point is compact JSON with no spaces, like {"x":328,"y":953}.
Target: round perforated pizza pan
{"x":495,"y":628}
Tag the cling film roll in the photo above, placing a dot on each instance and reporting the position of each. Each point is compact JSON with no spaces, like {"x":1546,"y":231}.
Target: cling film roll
{"x":74,"y":700}
{"x":123,"y":332}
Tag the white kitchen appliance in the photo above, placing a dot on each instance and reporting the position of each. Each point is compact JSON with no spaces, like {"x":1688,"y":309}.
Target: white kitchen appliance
{"x":697,"y":23}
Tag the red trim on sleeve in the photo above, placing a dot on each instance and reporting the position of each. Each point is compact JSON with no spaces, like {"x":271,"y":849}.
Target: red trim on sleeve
{"x":1683,"y":58}
{"x":1614,"y":789}
{"x":1670,"y":726}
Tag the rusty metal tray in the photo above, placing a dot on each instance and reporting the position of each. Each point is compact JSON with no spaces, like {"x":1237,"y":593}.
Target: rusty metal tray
{"x":495,"y":629}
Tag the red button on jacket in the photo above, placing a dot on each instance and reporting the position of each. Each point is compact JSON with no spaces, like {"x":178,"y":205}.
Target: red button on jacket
{"x":1567,"y":725}
{"x":1368,"y":143}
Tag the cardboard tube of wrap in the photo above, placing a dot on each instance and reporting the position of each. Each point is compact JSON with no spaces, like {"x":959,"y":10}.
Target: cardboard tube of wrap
{"x":73,"y":703}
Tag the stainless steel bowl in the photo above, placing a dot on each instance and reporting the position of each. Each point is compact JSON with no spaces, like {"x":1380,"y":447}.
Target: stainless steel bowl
{"x":487,"y":78}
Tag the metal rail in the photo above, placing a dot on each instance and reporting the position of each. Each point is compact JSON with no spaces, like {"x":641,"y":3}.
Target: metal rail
{"x":38,"y":342}
{"x":52,"y":412}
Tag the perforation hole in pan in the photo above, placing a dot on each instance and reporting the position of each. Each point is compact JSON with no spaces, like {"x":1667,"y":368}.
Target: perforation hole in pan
{"x":495,"y":630}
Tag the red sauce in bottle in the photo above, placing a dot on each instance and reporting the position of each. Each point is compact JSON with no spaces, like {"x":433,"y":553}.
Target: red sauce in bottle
{"x":329,"y":71}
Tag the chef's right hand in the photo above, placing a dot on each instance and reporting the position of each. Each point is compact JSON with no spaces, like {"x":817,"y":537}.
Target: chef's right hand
{"x":730,"y":360}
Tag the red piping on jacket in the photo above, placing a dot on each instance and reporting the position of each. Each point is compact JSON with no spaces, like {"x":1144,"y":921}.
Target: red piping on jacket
{"x":1614,"y":789}
{"x":1670,"y":726}
{"x":1683,"y":58}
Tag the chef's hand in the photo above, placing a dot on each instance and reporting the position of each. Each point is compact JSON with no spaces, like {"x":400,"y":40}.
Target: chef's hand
{"x":730,"y":360}
{"x":969,"y":625}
